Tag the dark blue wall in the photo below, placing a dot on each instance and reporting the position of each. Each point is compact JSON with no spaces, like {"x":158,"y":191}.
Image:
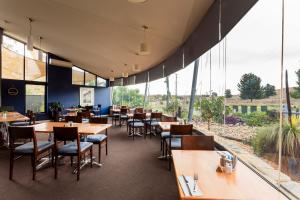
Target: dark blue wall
{"x":60,"y":89}
{"x":18,"y":101}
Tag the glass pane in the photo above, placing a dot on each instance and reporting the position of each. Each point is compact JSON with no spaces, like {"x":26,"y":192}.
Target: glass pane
{"x":13,"y":45}
{"x":132,"y":95}
{"x":35,"y":70}
{"x":35,"y":54}
{"x":77,"y":76}
{"x":35,"y":98}
{"x":90,"y":79}
{"x":101,"y":82}
{"x":12,"y":64}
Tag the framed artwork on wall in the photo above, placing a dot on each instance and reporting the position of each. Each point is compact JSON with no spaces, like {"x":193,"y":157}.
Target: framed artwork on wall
{"x":87,"y":96}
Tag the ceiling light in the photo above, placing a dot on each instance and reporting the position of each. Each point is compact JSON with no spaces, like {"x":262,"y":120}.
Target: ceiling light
{"x":40,"y":56}
{"x":29,"y":38}
{"x":144,"y":46}
{"x":124,"y":75}
{"x":136,"y":68}
{"x":111,"y":79}
{"x":137,"y":1}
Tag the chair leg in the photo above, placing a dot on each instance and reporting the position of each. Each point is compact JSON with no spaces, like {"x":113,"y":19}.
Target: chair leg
{"x":55,"y":168}
{"x":78,"y":166}
{"x":106,"y":144}
{"x":91,"y":156}
{"x":11,"y":166}
{"x":99,"y":153}
{"x":170,"y":160}
{"x":33,"y":163}
{"x":71,"y":161}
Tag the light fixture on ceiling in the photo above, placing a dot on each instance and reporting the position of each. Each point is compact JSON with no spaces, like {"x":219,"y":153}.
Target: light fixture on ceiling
{"x":144,"y":46}
{"x":40,"y":56}
{"x":136,"y":68}
{"x":137,"y":1}
{"x":124,"y":74}
{"x":29,"y":38}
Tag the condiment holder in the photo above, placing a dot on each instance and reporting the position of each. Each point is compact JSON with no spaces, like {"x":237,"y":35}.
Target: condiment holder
{"x":227,"y":162}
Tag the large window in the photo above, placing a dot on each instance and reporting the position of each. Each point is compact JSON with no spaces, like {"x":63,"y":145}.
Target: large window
{"x":13,"y":64}
{"x":12,"y":59}
{"x":77,"y":76}
{"x":101,"y":82}
{"x":35,"y":98}
{"x":90,"y":79}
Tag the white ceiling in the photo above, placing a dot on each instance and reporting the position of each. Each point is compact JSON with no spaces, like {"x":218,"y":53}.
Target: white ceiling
{"x":104,"y":35}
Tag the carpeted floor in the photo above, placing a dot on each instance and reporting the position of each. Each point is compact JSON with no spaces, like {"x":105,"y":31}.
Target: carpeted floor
{"x":130,"y":171}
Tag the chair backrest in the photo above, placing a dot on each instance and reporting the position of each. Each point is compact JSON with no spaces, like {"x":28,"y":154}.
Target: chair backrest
{"x":99,"y":120}
{"x":186,"y":129}
{"x":165,"y":118}
{"x":199,"y":142}
{"x":70,"y":118}
{"x":21,"y":132}
{"x":30,"y":114}
{"x":89,"y":108}
{"x":124,"y":111}
{"x":79,"y":117}
{"x":140,"y":116}
{"x":123,"y":107}
{"x":66,"y":134}
{"x":156,"y":115}
{"x":139,"y":110}
{"x":85,"y":114}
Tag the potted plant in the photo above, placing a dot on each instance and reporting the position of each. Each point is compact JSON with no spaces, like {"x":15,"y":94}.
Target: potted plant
{"x":55,"y":108}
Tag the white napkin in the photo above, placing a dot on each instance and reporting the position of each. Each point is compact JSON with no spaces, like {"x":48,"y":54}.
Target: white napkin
{"x":190,"y":184}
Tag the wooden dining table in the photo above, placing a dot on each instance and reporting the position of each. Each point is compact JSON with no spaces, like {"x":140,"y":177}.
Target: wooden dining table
{"x":165,"y":126}
{"x":83,"y":128}
{"x":243,"y":183}
{"x":12,"y":117}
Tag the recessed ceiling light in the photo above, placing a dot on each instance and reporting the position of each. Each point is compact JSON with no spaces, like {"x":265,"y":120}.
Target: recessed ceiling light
{"x":137,"y":1}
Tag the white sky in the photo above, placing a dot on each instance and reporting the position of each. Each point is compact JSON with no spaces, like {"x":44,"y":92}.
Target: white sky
{"x":253,"y":45}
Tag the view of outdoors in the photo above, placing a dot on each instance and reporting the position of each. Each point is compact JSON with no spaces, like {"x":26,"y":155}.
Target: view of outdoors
{"x":240,"y":75}
{"x":35,"y":98}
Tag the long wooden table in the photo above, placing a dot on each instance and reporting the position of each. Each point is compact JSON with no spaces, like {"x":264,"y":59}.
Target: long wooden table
{"x":242,"y":184}
{"x":83,"y":128}
{"x":12,"y":117}
{"x":165,"y":126}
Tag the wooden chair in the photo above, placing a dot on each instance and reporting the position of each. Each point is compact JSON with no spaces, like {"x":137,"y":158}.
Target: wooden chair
{"x":34,"y":149}
{"x":165,"y":135}
{"x":153,"y":123}
{"x":174,"y":141}
{"x":75,"y":148}
{"x":30,"y":114}
{"x":70,"y":118}
{"x":99,"y":138}
{"x":139,"y":110}
{"x":197,"y":142}
{"x":137,"y":123}
{"x":123,"y":115}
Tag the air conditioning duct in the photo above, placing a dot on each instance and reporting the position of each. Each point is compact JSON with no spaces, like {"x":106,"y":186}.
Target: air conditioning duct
{"x":60,"y":63}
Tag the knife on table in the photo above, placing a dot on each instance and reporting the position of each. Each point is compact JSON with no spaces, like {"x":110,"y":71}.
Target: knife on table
{"x":187,"y":184}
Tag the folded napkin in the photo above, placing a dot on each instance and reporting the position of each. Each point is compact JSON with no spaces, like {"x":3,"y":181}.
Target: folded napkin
{"x":188,"y":188}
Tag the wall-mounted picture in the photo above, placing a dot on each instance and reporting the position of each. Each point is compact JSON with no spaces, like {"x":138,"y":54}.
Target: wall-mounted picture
{"x":86,"y":96}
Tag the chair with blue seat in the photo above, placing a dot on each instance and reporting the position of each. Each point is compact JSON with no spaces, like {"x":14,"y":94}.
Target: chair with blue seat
{"x":30,"y":114}
{"x":152,"y":123}
{"x":165,"y":134}
{"x":73,"y":148}
{"x":137,"y":123}
{"x":99,"y":138}
{"x":174,"y":141}
{"x":35,"y":149}
{"x":123,"y":116}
